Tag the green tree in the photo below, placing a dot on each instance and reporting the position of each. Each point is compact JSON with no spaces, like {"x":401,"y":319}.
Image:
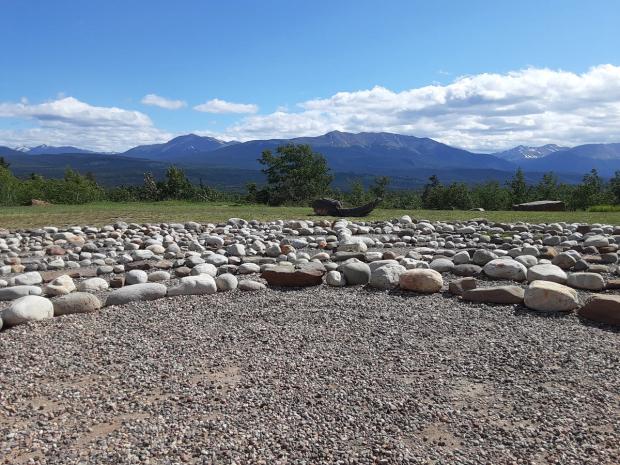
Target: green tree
{"x":295,"y":174}
{"x":380,"y":186}
{"x":547,"y":188}
{"x":589,"y":192}
{"x":357,"y":194}
{"x":614,"y":186}
{"x":457,"y":196}
{"x":150,"y":189}
{"x":177,"y":186}
{"x":4,"y":163}
{"x":518,"y":187}
{"x":431,"y":192}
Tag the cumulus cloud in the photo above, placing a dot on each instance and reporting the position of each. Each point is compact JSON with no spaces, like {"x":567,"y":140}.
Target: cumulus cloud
{"x":162,"y":102}
{"x":483,"y":112}
{"x":69,"y":121}
{"x":222,"y":106}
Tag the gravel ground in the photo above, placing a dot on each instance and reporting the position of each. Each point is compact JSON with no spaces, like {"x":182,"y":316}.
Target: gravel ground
{"x":320,"y":375}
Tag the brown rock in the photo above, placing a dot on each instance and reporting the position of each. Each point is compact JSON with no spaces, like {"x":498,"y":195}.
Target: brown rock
{"x":55,"y":250}
{"x":182,"y":271}
{"x":48,"y":276}
{"x":458,"y":286}
{"x":613,"y":284}
{"x":389,"y":255}
{"x":495,"y":295}
{"x":163,"y":264}
{"x":602,"y":308}
{"x":286,"y":249}
{"x":611,"y":248}
{"x":39,"y":203}
{"x":117,"y":281}
{"x":287,"y":277}
{"x":138,"y":265}
{"x":548,"y":252}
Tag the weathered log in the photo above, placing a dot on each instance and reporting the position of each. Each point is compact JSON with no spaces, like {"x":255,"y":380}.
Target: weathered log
{"x":541,"y":206}
{"x":331,"y":207}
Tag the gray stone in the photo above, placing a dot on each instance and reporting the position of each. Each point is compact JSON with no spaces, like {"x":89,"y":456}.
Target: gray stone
{"x":386,"y":276}
{"x":495,"y":295}
{"x":356,"y":273}
{"x":546,"y":272}
{"x":194,"y":285}
{"x":136,"y":277}
{"x":335,"y":278}
{"x":93,"y":285}
{"x":27,"y":308}
{"x":504,"y":268}
{"x":547,"y":296}
{"x":226,"y":282}
{"x":136,"y":292}
{"x":15,"y":292}
{"x":589,"y":281}
{"x":249,"y":285}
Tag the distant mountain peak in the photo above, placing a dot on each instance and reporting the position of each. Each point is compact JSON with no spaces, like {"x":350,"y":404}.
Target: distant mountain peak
{"x":45,"y":149}
{"x":524,"y":152}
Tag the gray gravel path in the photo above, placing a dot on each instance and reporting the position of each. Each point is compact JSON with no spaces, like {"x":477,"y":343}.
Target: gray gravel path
{"x":310,"y":376}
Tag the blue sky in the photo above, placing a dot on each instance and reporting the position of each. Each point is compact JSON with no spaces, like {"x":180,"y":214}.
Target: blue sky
{"x":79,"y":72}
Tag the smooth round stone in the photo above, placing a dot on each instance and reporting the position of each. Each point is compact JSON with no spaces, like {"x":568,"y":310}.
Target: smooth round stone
{"x":93,"y":285}
{"x":588,"y":281}
{"x":136,"y":277}
{"x":504,"y":268}
{"x":248,"y":268}
{"x":226,"y":282}
{"x":546,"y":272}
{"x":27,"y":279}
{"x":527,"y":260}
{"x":461,"y":258}
{"x":136,"y":292}
{"x":547,"y":296}
{"x":442,"y":265}
{"x":481,"y":257}
{"x":159,"y":276}
{"x":78,"y":302}
{"x":249,"y":285}
{"x":16,"y":292}
{"x":216,"y":259}
{"x":194,"y":285}
{"x":421,"y":280}
{"x":596,"y":241}
{"x":467,"y":269}
{"x":27,"y":308}
{"x":204,"y":268}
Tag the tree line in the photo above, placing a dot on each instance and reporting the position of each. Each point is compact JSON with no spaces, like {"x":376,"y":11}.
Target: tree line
{"x":296,"y":175}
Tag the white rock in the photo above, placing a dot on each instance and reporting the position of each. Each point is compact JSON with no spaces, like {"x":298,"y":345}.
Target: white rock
{"x":504,"y":268}
{"x":27,"y":279}
{"x":159,"y":276}
{"x":589,"y":281}
{"x":442,"y":265}
{"x":546,"y":272}
{"x":204,"y":268}
{"x":136,"y":277}
{"x":386,"y":276}
{"x":216,"y":259}
{"x":62,"y":285}
{"x":194,"y":285}
{"x":547,"y":296}
{"x":249,"y":285}
{"x":226,"y":282}
{"x":28,"y":308}
{"x":137,"y":292}
{"x":93,"y":285}
{"x":335,"y":278}
{"x":248,"y":268}
{"x":15,"y":292}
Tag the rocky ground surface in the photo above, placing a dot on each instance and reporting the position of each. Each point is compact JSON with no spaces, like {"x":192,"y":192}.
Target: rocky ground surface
{"x":320,"y":375}
{"x":401,"y":341}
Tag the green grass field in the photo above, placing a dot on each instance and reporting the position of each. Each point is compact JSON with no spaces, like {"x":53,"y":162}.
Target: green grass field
{"x":100,"y":213}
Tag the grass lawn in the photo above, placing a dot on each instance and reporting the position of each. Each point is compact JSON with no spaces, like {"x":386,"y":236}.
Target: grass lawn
{"x":101,"y":213}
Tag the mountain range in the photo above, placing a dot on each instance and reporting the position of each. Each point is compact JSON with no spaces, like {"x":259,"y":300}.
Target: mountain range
{"x":408,"y":160}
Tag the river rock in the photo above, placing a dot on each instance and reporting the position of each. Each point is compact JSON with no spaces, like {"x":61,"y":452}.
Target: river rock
{"x":226,"y":282}
{"x":584,"y":280}
{"x":93,"y":285}
{"x":335,"y":278}
{"x":62,"y":285}
{"x":136,"y":277}
{"x":136,"y":292}
{"x":27,"y":308}
{"x":386,"y":276}
{"x":15,"y":292}
{"x":603,"y":309}
{"x":421,"y":280}
{"x":546,"y":272}
{"x":504,"y":268}
{"x":250,"y":285}
{"x":78,"y":302}
{"x":356,"y":273}
{"x":495,"y":295}
{"x":547,"y":296}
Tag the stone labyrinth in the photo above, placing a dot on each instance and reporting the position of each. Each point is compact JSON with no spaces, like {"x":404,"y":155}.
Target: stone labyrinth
{"x":556,"y":267}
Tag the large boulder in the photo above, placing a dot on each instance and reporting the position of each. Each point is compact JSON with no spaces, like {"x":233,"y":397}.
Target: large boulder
{"x":15,"y":292}
{"x":136,"y":292}
{"x":421,"y":280}
{"x":504,"y":268}
{"x":194,"y":285}
{"x":78,"y":302}
{"x":28,"y":308}
{"x":386,"y":276}
{"x":603,"y":309}
{"x":226,"y":282}
{"x":495,"y":295}
{"x":546,"y":272}
{"x":547,"y":296}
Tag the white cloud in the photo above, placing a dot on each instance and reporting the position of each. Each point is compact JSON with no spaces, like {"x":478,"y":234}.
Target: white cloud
{"x":483,"y":112}
{"x":69,"y":121}
{"x":162,"y":102}
{"x":222,"y":106}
